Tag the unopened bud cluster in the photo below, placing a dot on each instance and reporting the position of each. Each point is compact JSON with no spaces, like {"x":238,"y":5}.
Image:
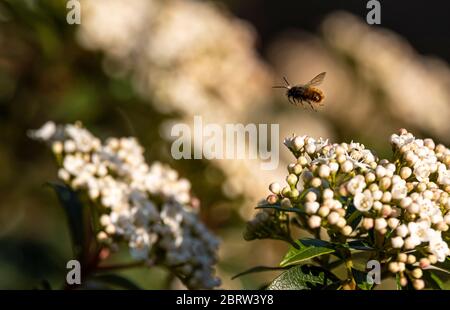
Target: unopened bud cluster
{"x":149,"y":207}
{"x":345,"y":190}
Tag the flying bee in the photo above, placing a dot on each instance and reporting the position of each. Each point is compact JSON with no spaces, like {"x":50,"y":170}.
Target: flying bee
{"x":305,"y":93}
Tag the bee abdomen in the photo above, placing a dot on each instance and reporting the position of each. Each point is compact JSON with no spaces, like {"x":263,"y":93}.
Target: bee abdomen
{"x":315,"y":95}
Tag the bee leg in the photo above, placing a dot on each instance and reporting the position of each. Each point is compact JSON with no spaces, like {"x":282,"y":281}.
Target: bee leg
{"x":311,"y":105}
{"x":291,"y":100}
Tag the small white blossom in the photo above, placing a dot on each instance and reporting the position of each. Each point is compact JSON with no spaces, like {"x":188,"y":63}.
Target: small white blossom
{"x":363,"y":201}
{"x":356,"y":184}
{"x":439,"y":248}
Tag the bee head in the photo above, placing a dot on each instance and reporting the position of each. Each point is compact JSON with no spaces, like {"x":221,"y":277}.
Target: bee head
{"x":287,"y":86}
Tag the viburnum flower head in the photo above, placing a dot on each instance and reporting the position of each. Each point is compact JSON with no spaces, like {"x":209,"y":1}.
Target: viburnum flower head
{"x":398,"y":207}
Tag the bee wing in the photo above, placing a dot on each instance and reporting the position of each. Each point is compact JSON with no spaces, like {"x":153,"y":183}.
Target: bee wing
{"x":317,"y":80}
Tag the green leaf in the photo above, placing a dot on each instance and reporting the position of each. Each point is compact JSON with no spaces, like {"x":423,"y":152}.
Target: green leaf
{"x":308,"y":248}
{"x":361,"y":279}
{"x":117,"y":281}
{"x":360,"y":245}
{"x":437,"y":278}
{"x":257,"y":269}
{"x":74,"y":212}
{"x":353,"y":216}
{"x":317,"y":243}
{"x":305,"y":277}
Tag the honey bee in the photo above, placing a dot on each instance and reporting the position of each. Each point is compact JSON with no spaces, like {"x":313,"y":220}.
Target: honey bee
{"x":305,"y":93}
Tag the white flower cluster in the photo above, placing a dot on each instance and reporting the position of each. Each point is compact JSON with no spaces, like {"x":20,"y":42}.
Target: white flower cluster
{"x":345,"y":189}
{"x":186,"y":57}
{"x":149,"y":207}
{"x":398,"y":71}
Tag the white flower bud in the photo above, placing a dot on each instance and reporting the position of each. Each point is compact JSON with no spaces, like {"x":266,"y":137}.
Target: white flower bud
{"x":402,"y":230}
{"x":377,"y":206}
{"x":63,"y":175}
{"x":433,"y":259}
{"x":427,"y":194}
{"x":334,"y":167}
{"x":302,"y":160}
{"x":275,"y":188}
{"x":298,"y":143}
{"x":397,"y":242}
{"x":385,"y":183}
{"x":413,"y":208}
{"x":417,"y":273}
{"x":311,"y":207}
{"x":405,"y":172}
{"x":391,"y":167}
{"x":405,"y":202}
{"x":411,"y":259}
{"x":402,"y":257}
{"x":341,"y":222}
{"x":418,"y":284}
{"x":310,"y":148}
{"x":403,"y":281}
{"x":292,"y":179}
{"x":57,"y":147}
{"x":377,"y":195}
{"x":411,"y":158}
{"x":311,"y":196}
{"x":324,"y":171}
{"x":410,"y":243}
{"x":387,"y":197}
{"x":380,"y":172}
{"x":314,"y":221}
{"x":380,"y":224}
{"x":286,"y":191}
{"x":393,"y":222}
{"x":333,"y":218}
{"x":346,"y":230}
{"x":316,"y":182}
{"x":429,"y":143}
{"x":323,"y":211}
{"x":297,"y":169}
{"x":447,"y":218}
{"x":110,"y":229}
{"x":341,"y":159}
{"x":70,"y":146}
{"x":367,"y":223}
{"x":386,"y":210}
{"x":370,"y":177}
{"x":327,"y":194}
{"x":393,"y":267}
{"x":347,"y":166}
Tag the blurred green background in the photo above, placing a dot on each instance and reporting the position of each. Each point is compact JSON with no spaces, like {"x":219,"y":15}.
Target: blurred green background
{"x":377,"y":82}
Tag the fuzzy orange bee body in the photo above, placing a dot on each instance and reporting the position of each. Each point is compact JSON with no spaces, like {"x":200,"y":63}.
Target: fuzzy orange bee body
{"x":305,"y":93}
